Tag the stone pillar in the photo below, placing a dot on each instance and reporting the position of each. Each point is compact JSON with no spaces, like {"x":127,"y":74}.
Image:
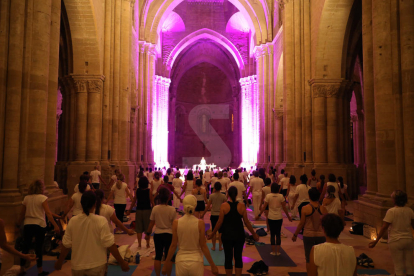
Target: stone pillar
{"x":152,"y":58}
{"x":407,"y":83}
{"x":260,"y":52}
{"x":369,"y":104}
{"x":269,"y":105}
{"x":298,"y":79}
{"x":81,"y":116}
{"x":141,"y":113}
{"x":308,"y":130}
{"x":93,"y":137}
{"x":385,"y":123}
{"x":278,"y":114}
{"x":320,"y":123}
{"x":52,"y":97}
{"x":13,"y":99}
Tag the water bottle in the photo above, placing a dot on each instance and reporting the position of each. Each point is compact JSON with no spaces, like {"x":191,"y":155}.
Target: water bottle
{"x":137,"y":258}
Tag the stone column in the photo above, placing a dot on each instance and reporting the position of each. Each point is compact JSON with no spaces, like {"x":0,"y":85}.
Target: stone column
{"x":152,"y":58}
{"x":307,"y":75}
{"x":298,"y":79}
{"x":332,"y":125}
{"x":407,"y":82}
{"x":369,"y":104}
{"x":93,"y":137}
{"x":319,"y":122}
{"x":270,"y":103}
{"x":52,"y":97}
{"x":80,"y":84}
{"x":13,"y":99}
{"x":385,"y":123}
{"x":278,"y":114}
{"x":141,"y":114}
{"x":259,"y":53}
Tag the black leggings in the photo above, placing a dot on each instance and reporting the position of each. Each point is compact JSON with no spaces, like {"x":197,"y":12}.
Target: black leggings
{"x":162,"y":244}
{"x":233,"y":248}
{"x":119,"y":211}
{"x":30,"y":231}
{"x":275,"y":227}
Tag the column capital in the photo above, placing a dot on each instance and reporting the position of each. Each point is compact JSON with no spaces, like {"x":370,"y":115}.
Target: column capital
{"x":86,"y":83}
{"x":260,"y":51}
{"x":329,"y":87}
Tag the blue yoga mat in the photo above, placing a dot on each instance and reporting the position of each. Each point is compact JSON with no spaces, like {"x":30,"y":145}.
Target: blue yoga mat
{"x":217,"y":256}
{"x":270,"y":260}
{"x":373,"y":272}
{"x":48,"y":266}
{"x":172,"y":270}
{"x":115,"y":270}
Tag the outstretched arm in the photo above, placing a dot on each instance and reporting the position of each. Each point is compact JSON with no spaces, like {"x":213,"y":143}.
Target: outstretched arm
{"x":6,"y":247}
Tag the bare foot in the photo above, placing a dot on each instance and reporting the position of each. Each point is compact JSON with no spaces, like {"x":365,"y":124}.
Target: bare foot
{"x":221,"y":249}
{"x":213,"y":248}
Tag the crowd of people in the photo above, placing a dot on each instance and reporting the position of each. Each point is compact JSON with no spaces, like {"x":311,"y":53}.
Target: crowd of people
{"x":157,"y":198}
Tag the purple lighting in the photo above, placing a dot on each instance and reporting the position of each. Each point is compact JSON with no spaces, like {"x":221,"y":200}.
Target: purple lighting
{"x":160,"y":121}
{"x":250,"y":123}
{"x":237,"y":23}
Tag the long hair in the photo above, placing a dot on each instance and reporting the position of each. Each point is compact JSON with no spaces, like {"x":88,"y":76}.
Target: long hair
{"x":121,"y":179}
{"x":83,"y":183}
{"x":35,"y":188}
{"x":233,"y":193}
{"x":341,"y":181}
{"x":99,"y":198}
{"x":88,"y":201}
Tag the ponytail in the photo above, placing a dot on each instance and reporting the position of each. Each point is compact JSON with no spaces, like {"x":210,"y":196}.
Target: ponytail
{"x":190,"y":203}
{"x":232,"y":193}
{"x":88,"y":201}
{"x":189,"y":209}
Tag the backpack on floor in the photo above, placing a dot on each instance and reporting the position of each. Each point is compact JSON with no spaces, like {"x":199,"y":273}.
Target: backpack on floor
{"x":261,"y":232}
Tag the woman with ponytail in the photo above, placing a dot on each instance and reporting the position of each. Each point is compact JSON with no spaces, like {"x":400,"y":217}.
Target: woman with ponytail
{"x":88,"y":233}
{"x":231,"y":224}
{"x":120,"y":192}
{"x":109,"y":213}
{"x":75,"y":201}
{"x":188,"y":232}
{"x":332,"y":204}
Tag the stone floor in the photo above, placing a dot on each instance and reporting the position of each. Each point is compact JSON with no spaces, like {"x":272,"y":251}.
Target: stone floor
{"x":380,"y":254}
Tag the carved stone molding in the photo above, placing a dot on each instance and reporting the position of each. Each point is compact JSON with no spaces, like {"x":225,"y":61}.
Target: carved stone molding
{"x":328,"y":88}
{"x":80,"y":86}
{"x":85,"y":83}
{"x":95,"y":86}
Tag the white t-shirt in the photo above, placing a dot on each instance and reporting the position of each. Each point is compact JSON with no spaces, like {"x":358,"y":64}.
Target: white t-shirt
{"x":344,"y":189}
{"x":35,"y":214}
{"x":334,"y":259}
{"x":114,"y":178}
{"x":76,"y":189}
{"x":206,"y":177}
{"x":335,"y":185}
{"x":107,"y":211}
{"x":266,"y":190}
{"x":150,"y":176}
{"x":86,"y":234}
{"x":164,"y":216}
{"x":177,"y":183}
{"x":334,"y":207}
{"x":95,"y":176}
{"x":155,"y":184}
{"x":223,"y":182}
{"x":302,"y":191}
{"x":240,"y":189}
{"x":213,"y":181}
{"x":120,"y":194}
{"x":284,"y":182}
{"x":280,"y":176}
{"x":400,"y":219}
{"x":257,"y":185}
{"x":275,"y":205}
{"x":77,"y":206}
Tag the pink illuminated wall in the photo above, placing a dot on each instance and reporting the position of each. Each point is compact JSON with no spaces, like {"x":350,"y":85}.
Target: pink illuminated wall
{"x":250,"y":121}
{"x":160,"y":121}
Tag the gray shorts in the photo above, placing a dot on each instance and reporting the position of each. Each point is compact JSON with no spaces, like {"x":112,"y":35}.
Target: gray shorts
{"x":142,"y":220}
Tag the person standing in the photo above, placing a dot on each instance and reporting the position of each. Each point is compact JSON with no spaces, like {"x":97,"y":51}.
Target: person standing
{"x":75,"y":201}
{"x":85,"y":234}
{"x":256,"y":186}
{"x":188,"y":233}
{"x":280,"y":176}
{"x":145,"y":202}
{"x":156,"y":182}
{"x":284,"y":185}
{"x":96,"y":178}
{"x":188,"y":184}
{"x":291,"y":197}
{"x":177,"y":184}
{"x":214,"y":202}
{"x":310,"y":221}
{"x":332,"y":204}
{"x":332,"y":182}
{"x":207,"y":180}
{"x":241,"y":190}
{"x":120,"y":192}
{"x":276,"y":203}
{"x":399,"y":221}
{"x":232,"y":215}
{"x":265,"y":191}
{"x":33,"y":213}
{"x":162,"y":216}
{"x":302,"y":194}
{"x":313,"y":180}
{"x":332,"y":258}
{"x":201,"y":196}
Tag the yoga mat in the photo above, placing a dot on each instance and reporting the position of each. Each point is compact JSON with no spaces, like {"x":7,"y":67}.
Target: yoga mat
{"x":247,"y":260}
{"x":217,"y":256}
{"x":115,"y":270}
{"x":298,"y":274}
{"x":207,"y":227}
{"x":270,"y":260}
{"x":172,"y":270}
{"x":48,"y":266}
{"x":372,"y":272}
{"x":259,"y":225}
{"x":292,"y":229}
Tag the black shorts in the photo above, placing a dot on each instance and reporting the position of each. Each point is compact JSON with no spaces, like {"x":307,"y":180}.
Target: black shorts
{"x":214,"y":220}
{"x":284,"y":192}
{"x":201,"y":206}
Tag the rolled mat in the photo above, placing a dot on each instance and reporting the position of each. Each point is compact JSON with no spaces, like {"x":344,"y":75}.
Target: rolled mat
{"x":270,"y":260}
{"x":372,"y":272}
{"x":115,"y":270}
{"x":172,"y":271}
{"x":217,"y":256}
{"x":48,"y":266}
